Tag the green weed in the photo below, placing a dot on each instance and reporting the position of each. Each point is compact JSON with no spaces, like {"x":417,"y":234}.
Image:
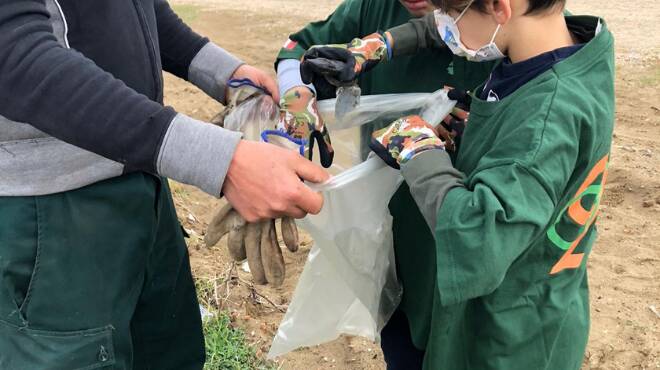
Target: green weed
{"x":227,"y":348}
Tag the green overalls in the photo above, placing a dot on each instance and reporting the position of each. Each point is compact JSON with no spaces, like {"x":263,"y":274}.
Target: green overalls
{"x":97,"y":277}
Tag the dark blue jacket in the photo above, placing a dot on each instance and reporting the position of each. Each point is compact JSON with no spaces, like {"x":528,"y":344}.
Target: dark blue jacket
{"x":89,"y":73}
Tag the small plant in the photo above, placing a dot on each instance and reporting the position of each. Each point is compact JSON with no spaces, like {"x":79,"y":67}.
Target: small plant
{"x":227,"y":348}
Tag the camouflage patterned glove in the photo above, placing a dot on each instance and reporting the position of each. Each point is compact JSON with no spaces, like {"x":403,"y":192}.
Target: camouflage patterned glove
{"x":301,"y":124}
{"x":341,"y":64}
{"x":404,"y":139}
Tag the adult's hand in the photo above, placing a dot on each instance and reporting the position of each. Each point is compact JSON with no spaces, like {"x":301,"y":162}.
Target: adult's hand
{"x":263,"y":182}
{"x":259,"y":77}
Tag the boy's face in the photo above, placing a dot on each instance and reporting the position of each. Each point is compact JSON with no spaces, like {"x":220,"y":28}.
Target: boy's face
{"x":418,"y":8}
{"x":477,"y":28}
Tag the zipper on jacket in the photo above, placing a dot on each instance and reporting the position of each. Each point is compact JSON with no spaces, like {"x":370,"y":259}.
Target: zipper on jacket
{"x":151,"y":48}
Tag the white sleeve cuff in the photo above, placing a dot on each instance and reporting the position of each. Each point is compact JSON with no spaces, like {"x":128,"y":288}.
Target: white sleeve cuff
{"x":288,"y":76}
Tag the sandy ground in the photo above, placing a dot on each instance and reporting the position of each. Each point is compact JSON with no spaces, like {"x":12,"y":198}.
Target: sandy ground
{"x":624,"y":267}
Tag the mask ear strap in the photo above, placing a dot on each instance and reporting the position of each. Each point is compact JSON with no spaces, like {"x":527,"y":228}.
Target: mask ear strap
{"x":492,"y":40}
{"x":463,"y":12}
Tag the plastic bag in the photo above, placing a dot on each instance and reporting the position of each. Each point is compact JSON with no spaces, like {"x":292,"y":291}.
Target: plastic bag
{"x":384,"y":108}
{"x":377,"y":111}
{"x":253,"y":116}
{"x":349,"y":284}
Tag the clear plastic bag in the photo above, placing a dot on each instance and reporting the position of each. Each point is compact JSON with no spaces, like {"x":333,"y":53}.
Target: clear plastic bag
{"x":349,"y":283}
{"x":377,"y":111}
{"x":384,"y":108}
{"x":253,"y":116}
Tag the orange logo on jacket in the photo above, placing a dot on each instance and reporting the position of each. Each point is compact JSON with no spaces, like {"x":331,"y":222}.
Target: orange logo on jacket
{"x":582,"y":217}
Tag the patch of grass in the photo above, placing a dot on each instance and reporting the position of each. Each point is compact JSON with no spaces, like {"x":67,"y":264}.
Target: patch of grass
{"x":186,"y":12}
{"x":227,"y":348}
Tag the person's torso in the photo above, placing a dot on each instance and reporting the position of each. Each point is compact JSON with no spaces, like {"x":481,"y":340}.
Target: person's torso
{"x":121,"y":37}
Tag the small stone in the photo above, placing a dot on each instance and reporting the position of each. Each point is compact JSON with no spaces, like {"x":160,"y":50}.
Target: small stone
{"x":647,"y":152}
{"x":648,"y":203}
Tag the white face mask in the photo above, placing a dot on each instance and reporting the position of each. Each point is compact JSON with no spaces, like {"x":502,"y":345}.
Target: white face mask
{"x":450,"y":34}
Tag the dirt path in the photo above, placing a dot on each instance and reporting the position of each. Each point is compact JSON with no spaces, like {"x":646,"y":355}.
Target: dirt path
{"x":625,"y":265}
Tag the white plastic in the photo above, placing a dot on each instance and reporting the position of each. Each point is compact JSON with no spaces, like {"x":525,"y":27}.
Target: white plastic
{"x":349,"y":284}
{"x":385,"y":108}
{"x":253,"y":116}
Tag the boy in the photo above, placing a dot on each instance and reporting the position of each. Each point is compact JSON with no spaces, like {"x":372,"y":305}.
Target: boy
{"x":505,"y":284}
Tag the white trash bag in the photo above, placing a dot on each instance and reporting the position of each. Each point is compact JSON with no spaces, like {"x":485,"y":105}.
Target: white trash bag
{"x":386,"y":108}
{"x":349,"y":284}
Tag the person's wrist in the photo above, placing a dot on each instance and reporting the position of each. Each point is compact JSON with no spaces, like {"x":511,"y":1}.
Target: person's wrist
{"x":431,"y":143}
{"x":389,"y":44}
{"x":304,"y":91}
{"x":297,"y":93}
{"x":240,"y":70}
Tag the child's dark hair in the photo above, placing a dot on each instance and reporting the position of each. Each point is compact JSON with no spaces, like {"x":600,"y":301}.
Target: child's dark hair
{"x":535,"y":6}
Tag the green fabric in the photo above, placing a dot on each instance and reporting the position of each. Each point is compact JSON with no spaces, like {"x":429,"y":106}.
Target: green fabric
{"x":428,"y":71}
{"x":507,"y":278}
{"x":97,"y":277}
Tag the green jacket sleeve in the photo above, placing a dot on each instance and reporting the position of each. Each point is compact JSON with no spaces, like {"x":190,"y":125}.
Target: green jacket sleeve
{"x":341,"y":26}
{"x":482,"y":227}
{"x":415,"y":35}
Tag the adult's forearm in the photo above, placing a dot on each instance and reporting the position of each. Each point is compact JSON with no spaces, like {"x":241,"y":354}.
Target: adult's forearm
{"x":64,"y":94}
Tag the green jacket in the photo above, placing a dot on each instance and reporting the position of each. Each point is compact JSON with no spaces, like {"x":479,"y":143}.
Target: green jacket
{"x":504,"y":284}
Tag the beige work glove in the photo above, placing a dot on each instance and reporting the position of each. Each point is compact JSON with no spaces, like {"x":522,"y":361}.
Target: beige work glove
{"x":257,"y":242}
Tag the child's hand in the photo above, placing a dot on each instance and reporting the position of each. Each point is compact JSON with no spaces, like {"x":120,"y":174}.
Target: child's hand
{"x":456,"y":121}
{"x":406,"y":138}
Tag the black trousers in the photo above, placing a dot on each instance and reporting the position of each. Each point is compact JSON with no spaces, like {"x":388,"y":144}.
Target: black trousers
{"x":397,"y":345}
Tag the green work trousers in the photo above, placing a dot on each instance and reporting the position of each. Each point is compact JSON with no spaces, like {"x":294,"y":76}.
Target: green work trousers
{"x":97,"y":278}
